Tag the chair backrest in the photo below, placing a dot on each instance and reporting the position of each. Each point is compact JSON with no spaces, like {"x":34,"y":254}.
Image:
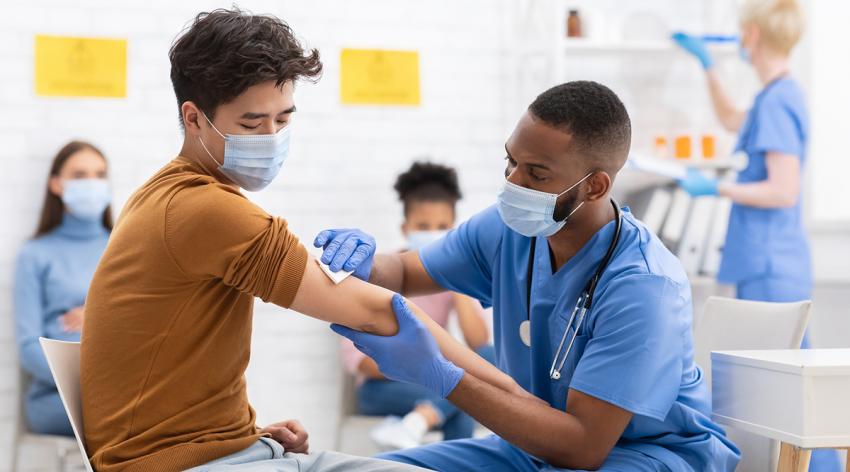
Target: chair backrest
{"x":63,"y":357}
{"x":730,"y":324}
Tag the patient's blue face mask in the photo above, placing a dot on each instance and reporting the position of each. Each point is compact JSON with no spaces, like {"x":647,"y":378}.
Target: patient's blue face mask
{"x":252,"y":161}
{"x":531,"y":212}
{"x":416,"y":240}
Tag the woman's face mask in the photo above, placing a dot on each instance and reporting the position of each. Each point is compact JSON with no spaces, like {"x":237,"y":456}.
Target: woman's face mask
{"x":86,"y":199}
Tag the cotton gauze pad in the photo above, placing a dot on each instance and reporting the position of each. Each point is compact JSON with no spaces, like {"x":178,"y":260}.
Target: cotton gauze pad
{"x":337,"y":277}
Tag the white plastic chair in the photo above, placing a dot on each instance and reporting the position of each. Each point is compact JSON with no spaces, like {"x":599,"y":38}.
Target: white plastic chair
{"x":63,"y":447}
{"x":353,"y":429}
{"x":64,"y":360}
{"x":728,"y":324}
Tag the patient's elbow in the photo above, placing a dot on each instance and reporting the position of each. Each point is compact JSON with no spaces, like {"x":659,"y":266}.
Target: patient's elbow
{"x":379,"y":320}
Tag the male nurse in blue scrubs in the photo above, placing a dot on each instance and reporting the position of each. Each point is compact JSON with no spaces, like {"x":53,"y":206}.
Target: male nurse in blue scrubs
{"x":628,"y":397}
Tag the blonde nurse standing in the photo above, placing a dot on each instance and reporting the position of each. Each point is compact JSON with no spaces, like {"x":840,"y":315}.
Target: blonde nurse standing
{"x":766,"y":254}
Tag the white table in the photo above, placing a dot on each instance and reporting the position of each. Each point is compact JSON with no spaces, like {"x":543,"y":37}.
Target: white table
{"x":798,"y":397}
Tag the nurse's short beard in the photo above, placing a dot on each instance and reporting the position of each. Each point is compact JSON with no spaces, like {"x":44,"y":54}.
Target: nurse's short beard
{"x":566,"y":205}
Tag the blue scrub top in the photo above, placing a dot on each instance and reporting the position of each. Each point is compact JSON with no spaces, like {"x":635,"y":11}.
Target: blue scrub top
{"x":762,"y":242}
{"x":634,"y":349}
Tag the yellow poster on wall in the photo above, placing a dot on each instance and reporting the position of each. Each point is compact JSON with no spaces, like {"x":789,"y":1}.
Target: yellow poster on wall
{"x":80,"y":67}
{"x":379,"y":77}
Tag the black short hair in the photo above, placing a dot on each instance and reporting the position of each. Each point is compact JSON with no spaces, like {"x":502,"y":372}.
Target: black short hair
{"x":426,"y":181}
{"x":224,"y":52}
{"x":594,"y":116}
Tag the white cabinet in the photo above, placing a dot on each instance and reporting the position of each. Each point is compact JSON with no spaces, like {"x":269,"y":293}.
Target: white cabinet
{"x":800,"y":397}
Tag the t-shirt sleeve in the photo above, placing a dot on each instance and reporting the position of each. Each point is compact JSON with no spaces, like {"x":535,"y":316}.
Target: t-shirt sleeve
{"x":633,"y":358}
{"x":777,"y":127}
{"x":462,"y":261}
{"x":212,"y":232}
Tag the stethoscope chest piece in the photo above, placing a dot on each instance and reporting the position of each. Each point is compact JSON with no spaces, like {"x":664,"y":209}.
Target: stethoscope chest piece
{"x":525,"y":332}
{"x":556,"y":375}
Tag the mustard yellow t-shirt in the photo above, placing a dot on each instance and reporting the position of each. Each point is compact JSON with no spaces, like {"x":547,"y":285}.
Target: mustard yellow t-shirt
{"x":168,"y":322}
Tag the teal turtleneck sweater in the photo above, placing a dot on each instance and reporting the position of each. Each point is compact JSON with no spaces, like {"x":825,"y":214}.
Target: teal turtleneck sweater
{"x":52,"y":276}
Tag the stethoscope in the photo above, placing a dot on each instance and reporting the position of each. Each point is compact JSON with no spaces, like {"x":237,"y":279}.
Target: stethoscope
{"x":582,"y":305}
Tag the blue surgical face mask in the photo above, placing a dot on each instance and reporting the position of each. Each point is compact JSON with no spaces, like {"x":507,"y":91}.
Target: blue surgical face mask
{"x":531,"y":212}
{"x":416,"y":240}
{"x":744,"y":54}
{"x":252,"y":161}
{"x":86,"y":198}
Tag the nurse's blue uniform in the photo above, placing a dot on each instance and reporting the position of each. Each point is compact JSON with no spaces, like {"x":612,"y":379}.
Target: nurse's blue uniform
{"x":766,"y":254}
{"x":634,"y":350}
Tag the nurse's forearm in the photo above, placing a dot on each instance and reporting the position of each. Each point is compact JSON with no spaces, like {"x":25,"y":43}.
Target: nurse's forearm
{"x":559,"y":438}
{"x":757,"y":194}
{"x":730,"y":117}
{"x":403,"y":273}
{"x":781,"y":189}
{"x":388,"y":272}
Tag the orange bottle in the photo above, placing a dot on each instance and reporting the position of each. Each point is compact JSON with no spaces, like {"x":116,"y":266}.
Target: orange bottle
{"x":708,"y":147}
{"x":682,"y":147}
{"x":574,"y":25}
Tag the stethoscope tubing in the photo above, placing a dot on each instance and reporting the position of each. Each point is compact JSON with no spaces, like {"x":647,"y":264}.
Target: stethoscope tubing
{"x":583,"y":303}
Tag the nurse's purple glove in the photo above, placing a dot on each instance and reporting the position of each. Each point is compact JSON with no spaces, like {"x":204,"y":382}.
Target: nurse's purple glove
{"x":695,"y":46}
{"x":348,"y":250}
{"x":697,"y":184}
{"x":410,"y":356}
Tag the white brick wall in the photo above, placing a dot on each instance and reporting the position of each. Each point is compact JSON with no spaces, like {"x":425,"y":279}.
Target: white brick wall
{"x":471,"y":96}
{"x":294,"y":371}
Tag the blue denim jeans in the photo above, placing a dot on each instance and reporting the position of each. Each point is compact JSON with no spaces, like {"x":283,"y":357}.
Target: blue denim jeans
{"x":45,"y":413}
{"x":387,"y":397}
{"x":266,"y":455}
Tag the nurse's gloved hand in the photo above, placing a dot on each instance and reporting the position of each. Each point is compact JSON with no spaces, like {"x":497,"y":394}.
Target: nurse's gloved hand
{"x":697,"y":184}
{"x":695,"y":46}
{"x":348,"y":250}
{"x":410,"y":356}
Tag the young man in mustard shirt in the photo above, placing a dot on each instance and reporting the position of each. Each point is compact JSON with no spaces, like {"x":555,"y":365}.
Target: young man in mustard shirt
{"x":168,"y":328}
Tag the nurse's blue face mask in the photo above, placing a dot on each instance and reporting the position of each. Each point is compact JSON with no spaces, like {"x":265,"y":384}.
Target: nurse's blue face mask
{"x":531,"y":212}
{"x":252,"y":161}
{"x":744,"y":54}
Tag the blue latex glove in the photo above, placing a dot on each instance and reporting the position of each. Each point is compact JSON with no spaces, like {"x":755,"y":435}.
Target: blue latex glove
{"x":410,"y":356}
{"x":695,"y":46}
{"x":697,"y":184}
{"x":348,"y":250}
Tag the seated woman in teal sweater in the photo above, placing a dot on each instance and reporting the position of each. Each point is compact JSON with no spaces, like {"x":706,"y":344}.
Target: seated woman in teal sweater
{"x":53,"y":273}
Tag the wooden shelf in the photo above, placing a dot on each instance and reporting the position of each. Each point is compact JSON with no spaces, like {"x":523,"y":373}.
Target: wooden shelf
{"x":588,"y":46}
